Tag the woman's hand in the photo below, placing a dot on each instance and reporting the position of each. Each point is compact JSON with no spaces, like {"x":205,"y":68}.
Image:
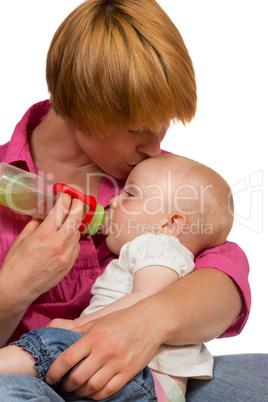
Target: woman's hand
{"x":118,"y":346}
{"x":40,"y":257}
{"x":44,"y":252}
{"x":112,"y":351}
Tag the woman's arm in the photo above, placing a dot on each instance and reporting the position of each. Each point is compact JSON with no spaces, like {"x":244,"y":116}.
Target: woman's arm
{"x":194,"y":309}
{"x":209,"y":301}
{"x":39,"y":258}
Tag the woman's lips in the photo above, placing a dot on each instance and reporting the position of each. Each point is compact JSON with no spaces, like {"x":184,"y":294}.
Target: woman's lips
{"x":130,"y":166}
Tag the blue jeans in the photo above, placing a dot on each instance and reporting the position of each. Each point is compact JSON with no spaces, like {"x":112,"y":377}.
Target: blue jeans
{"x":45,"y":345}
{"x":236,"y":378}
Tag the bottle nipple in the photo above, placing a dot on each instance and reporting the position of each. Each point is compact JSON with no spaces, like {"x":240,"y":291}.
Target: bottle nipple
{"x":99,"y":221}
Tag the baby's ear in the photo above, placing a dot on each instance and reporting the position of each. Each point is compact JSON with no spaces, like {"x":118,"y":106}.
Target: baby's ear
{"x":173,"y":224}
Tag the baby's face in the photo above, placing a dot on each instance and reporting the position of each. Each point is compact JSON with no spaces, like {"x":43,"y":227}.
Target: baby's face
{"x":140,"y":208}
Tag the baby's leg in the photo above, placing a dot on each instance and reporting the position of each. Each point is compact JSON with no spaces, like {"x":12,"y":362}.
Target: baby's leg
{"x":39,"y":349}
{"x":15,"y":360}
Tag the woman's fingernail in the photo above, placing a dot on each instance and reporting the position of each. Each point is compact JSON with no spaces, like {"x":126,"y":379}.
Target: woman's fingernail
{"x":48,"y":381}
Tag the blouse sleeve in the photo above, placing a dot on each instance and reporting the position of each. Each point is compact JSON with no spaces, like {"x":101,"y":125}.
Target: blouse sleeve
{"x":230,"y":259}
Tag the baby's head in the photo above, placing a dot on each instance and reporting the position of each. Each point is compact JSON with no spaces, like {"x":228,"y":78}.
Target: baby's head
{"x":201,"y":201}
{"x":173,"y":195}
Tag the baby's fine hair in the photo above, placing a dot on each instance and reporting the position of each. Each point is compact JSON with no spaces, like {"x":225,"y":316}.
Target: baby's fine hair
{"x":203,"y":196}
{"x":117,"y":63}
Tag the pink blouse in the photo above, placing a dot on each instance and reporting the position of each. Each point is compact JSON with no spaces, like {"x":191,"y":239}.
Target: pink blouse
{"x":72,"y":294}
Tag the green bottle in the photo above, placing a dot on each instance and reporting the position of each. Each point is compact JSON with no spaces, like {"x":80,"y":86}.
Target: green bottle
{"x":34,"y":195}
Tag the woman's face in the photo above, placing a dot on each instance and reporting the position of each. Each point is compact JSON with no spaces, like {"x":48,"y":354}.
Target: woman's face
{"x":119,"y":152}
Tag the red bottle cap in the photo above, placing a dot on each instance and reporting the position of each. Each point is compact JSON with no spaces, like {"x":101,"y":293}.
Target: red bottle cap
{"x":87,"y":199}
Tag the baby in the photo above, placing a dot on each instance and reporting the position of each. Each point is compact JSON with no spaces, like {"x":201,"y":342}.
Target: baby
{"x":171,"y":209}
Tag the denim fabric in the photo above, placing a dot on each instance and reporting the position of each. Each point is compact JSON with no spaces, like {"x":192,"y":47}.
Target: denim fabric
{"x":18,"y":388}
{"x":236,"y":378}
{"x":45,"y":345}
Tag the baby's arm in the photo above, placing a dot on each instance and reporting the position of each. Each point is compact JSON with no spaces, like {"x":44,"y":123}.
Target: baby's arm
{"x":146,"y":282}
{"x":138,"y":257}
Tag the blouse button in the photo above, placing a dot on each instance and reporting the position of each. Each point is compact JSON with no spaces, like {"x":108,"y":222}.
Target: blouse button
{"x":93,"y":274}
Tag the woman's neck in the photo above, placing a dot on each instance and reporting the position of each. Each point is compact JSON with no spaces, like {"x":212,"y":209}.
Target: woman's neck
{"x":55,"y":151}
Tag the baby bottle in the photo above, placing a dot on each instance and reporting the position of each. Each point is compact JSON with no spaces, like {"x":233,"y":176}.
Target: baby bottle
{"x":33,"y":195}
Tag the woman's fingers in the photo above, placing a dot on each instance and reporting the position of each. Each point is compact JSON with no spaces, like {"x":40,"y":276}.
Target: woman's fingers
{"x":74,"y":218}
{"x":66,"y":215}
{"x":113,"y":350}
{"x":45,"y":251}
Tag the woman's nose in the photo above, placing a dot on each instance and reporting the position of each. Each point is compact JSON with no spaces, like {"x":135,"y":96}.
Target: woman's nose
{"x":151,"y":146}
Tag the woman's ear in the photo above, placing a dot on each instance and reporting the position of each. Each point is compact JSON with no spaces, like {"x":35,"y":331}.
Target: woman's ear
{"x":173,"y":224}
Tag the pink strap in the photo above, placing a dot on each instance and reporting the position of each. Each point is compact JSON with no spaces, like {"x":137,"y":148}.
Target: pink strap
{"x":161,"y":396}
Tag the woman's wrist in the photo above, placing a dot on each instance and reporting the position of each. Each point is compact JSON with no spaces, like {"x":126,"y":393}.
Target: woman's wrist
{"x":11,"y":312}
{"x":12,"y":302}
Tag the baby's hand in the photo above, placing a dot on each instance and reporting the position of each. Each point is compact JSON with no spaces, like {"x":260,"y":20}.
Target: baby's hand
{"x":61,"y":323}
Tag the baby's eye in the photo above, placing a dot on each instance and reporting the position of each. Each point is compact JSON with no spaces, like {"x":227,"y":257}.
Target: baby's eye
{"x":128,"y":194}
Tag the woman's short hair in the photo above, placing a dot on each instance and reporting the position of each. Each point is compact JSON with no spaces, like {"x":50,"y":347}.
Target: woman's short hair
{"x":120,"y":63}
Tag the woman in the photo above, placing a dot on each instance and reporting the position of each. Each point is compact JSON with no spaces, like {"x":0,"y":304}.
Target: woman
{"x":118,"y":73}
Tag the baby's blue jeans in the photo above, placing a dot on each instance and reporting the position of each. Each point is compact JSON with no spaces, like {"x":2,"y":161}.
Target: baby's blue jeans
{"x":45,"y":345}
{"x":236,"y":378}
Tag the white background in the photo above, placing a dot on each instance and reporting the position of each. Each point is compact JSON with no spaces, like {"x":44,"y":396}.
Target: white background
{"x":228,"y":42}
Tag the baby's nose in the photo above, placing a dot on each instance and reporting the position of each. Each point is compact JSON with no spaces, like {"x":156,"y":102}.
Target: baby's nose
{"x":113,"y":202}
